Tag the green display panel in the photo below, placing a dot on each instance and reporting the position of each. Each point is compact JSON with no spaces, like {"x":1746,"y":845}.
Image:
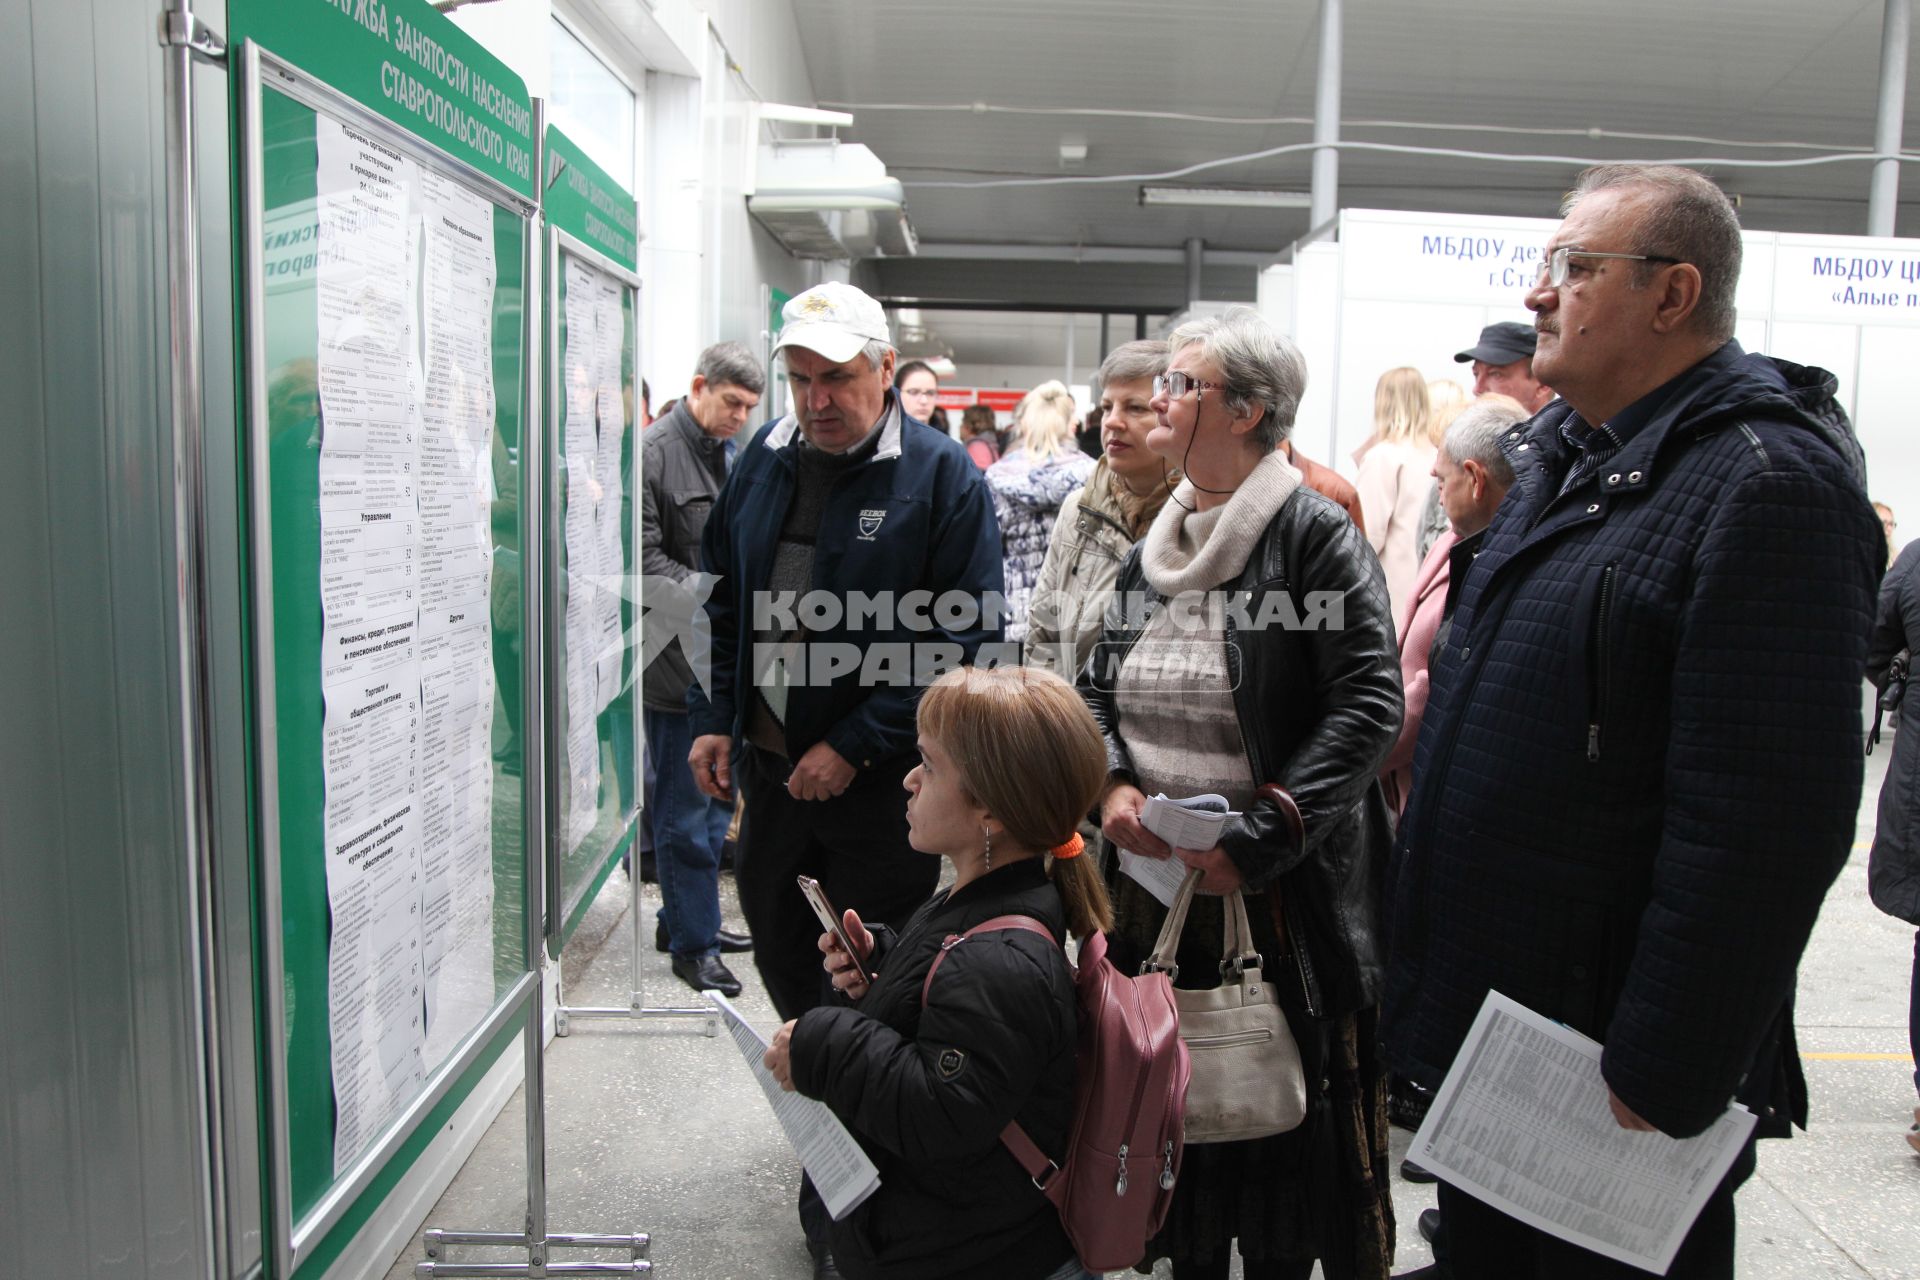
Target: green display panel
{"x":593,"y":707}
{"x":408,"y":63}
{"x":387,"y":336}
{"x":587,"y":204}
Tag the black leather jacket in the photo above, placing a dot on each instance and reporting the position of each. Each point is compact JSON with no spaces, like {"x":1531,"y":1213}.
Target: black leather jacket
{"x":1319,"y":706}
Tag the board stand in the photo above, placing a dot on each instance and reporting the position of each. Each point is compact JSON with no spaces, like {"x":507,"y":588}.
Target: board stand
{"x":637,"y":1007}
{"x":539,"y":1242}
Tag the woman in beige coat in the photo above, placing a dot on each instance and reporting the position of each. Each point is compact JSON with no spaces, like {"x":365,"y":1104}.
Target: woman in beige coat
{"x":1395,"y":476}
{"x":1100,"y":522}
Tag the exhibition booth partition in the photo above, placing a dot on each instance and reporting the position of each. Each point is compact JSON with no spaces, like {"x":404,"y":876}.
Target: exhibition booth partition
{"x":1401,"y":288}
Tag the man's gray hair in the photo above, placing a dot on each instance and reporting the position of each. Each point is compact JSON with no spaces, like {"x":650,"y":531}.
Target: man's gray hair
{"x":1135,"y":361}
{"x":1690,"y":219}
{"x":1474,"y":436}
{"x":725,"y":362}
{"x":876,"y":353}
{"x":1261,"y":368}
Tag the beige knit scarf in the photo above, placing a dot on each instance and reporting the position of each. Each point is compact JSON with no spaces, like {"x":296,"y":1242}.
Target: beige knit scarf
{"x":1201,"y":550}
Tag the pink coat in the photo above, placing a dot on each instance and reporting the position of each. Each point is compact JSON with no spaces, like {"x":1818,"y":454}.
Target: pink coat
{"x":1415,"y":626}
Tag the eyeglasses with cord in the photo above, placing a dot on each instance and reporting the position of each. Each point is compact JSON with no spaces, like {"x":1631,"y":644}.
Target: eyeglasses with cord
{"x":1175,"y":385}
{"x":1554,"y":271}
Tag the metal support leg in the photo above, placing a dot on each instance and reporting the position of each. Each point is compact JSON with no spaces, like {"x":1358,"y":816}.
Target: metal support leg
{"x":637,"y":1007}
{"x":438,"y":1264}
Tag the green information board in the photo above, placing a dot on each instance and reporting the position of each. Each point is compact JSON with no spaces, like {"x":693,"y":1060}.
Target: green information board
{"x":405,"y":61}
{"x":584,"y":202}
{"x":592,"y":545}
{"x":387,"y":243}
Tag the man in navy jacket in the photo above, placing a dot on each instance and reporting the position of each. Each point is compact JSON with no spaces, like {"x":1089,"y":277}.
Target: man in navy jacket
{"x":858,"y":557}
{"x":1640,"y":764}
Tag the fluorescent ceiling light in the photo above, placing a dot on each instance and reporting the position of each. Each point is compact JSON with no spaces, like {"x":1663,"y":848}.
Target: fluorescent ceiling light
{"x":1226,"y":197}
{"x":802,"y":115}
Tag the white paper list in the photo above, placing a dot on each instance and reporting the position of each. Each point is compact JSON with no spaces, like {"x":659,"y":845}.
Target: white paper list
{"x":592,"y":433}
{"x":1522,"y":1122}
{"x":369,"y":585}
{"x":405,"y":300}
{"x":832,"y":1157}
{"x":456,"y":580}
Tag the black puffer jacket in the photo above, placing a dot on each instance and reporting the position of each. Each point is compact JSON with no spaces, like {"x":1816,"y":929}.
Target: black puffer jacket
{"x":1893,"y":870}
{"x":1640,"y":764}
{"x":927,"y":1091}
{"x":1319,"y":707}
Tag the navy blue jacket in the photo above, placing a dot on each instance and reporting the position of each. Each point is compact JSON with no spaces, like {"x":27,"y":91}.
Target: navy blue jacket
{"x":1640,"y":764}
{"x":914,"y":517}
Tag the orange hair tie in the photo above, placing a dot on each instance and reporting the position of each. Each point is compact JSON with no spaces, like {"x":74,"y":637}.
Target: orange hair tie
{"x":1071,"y":847}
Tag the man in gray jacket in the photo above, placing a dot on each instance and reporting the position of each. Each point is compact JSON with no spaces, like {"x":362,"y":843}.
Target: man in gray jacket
{"x":684,"y":461}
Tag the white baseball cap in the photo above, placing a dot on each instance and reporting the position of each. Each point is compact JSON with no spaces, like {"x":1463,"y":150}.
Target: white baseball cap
{"x":834,"y":320}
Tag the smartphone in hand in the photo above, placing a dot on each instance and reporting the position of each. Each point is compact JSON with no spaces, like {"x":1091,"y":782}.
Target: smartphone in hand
{"x":830,"y":921}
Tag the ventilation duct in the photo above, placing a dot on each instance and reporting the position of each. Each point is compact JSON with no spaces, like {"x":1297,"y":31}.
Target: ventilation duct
{"x":822,"y":198}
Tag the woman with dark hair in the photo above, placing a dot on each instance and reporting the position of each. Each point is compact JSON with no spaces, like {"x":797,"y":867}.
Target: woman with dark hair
{"x":918,"y":388}
{"x":1218,"y":681}
{"x":1010,"y":761}
{"x":980,"y":432}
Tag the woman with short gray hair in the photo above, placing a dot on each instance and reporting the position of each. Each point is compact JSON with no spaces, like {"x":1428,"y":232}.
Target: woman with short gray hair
{"x":1215,"y":674}
{"x":1098,"y":524}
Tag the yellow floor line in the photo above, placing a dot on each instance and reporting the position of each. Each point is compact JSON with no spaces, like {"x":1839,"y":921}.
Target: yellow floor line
{"x":1859,"y":1057}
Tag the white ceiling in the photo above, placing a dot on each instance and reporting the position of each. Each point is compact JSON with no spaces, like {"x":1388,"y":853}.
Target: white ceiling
{"x":1733,"y":71}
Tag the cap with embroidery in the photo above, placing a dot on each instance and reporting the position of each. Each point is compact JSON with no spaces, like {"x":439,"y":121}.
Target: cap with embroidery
{"x":832,"y":320}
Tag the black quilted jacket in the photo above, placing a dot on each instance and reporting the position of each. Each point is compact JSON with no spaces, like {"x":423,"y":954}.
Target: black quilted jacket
{"x":1640,"y":765}
{"x":927,"y":1090}
{"x":1319,"y":708}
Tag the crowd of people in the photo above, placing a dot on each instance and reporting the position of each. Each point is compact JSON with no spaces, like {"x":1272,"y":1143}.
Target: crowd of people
{"x":1559,"y":696}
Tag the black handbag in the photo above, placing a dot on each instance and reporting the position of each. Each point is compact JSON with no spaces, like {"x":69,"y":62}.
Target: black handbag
{"x":1892,"y":692}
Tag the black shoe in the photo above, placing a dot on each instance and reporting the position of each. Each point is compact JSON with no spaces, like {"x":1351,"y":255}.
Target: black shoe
{"x":1414,"y":1173}
{"x":1429,"y":1224}
{"x":824,"y":1268}
{"x":706,"y":973}
{"x":730,"y":943}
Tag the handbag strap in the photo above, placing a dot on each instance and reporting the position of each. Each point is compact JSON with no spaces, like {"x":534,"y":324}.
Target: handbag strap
{"x":1168,"y":943}
{"x":1238,"y":952}
{"x":1028,"y":923}
{"x":1237,"y":949}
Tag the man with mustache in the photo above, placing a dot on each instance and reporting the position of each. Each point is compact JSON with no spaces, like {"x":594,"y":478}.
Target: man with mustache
{"x":1640,"y":765}
{"x":846,"y":494}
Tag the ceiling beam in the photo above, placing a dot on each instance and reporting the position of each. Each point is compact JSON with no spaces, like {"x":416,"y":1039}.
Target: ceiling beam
{"x":1124,"y":254}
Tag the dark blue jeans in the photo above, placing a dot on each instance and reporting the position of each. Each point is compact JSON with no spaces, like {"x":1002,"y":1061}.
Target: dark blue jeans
{"x":688,"y":830}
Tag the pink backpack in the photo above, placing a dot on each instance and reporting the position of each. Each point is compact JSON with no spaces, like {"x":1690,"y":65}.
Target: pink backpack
{"x":1129,"y":1100}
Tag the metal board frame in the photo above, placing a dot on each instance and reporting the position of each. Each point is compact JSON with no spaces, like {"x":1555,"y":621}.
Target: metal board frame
{"x":293,"y":1242}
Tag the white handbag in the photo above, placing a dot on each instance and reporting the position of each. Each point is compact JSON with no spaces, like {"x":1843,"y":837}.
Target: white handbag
{"x":1247,"y":1080}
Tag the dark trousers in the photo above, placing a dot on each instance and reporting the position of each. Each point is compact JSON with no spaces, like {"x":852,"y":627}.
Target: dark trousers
{"x":1485,"y":1244}
{"x":856,"y":846}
